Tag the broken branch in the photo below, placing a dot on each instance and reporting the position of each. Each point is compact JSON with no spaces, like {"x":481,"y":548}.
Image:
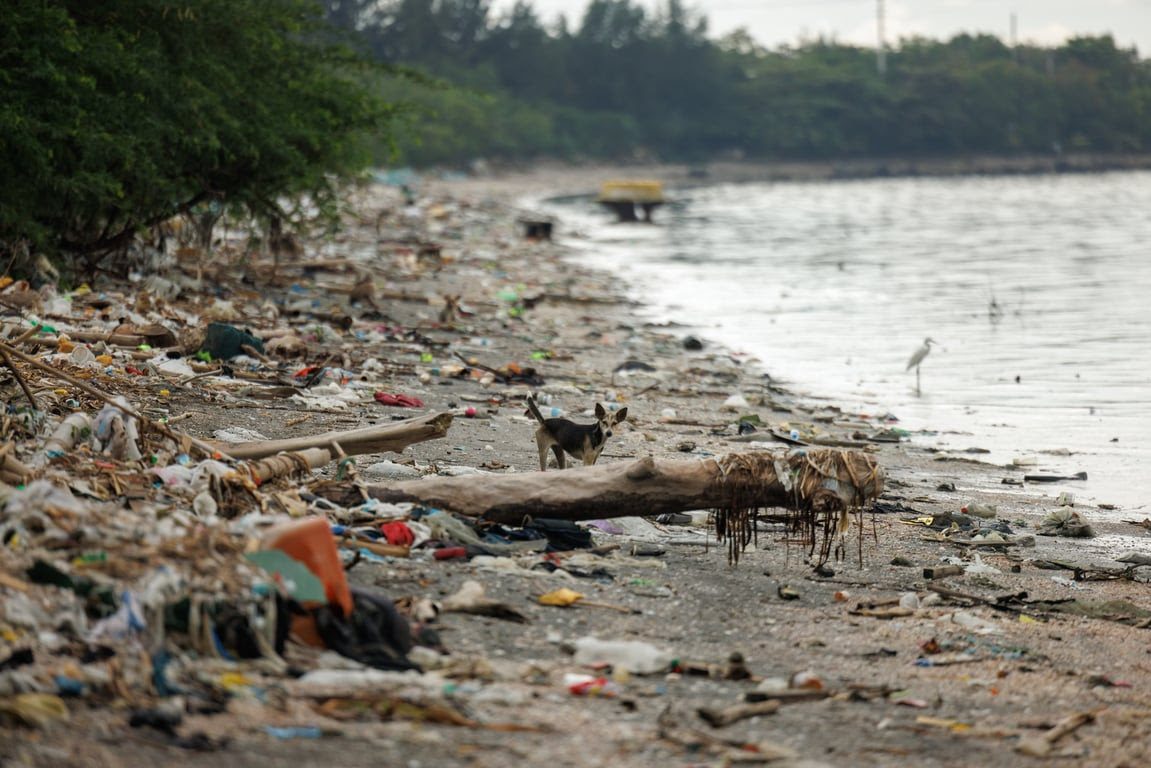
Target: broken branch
{"x":1041,"y":745}
{"x":719,"y":718}
{"x":389,"y":437}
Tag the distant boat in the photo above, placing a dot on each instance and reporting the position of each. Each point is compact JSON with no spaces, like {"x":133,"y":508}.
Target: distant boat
{"x":625,"y":197}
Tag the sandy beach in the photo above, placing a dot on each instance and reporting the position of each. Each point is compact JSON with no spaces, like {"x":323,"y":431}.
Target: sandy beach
{"x":1032,"y":648}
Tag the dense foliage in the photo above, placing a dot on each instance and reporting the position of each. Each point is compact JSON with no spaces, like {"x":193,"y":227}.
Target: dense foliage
{"x":116,"y":115}
{"x":625,"y":83}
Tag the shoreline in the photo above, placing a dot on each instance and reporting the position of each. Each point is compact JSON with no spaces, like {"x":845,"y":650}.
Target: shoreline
{"x":567,"y":178}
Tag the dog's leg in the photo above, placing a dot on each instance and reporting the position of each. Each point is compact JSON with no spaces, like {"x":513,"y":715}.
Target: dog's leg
{"x":561,"y":460}
{"x":543,"y":443}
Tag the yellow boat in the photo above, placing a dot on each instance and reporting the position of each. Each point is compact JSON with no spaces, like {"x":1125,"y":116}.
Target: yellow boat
{"x":623,"y":197}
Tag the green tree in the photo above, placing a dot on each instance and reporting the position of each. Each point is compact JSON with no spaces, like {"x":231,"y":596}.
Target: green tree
{"x":1094,"y":81}
{"x":528,"y":62}
{"x":633,"y":80}
{"x":117,"y":115}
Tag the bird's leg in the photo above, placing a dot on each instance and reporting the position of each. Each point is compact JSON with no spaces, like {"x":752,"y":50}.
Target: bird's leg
{"x":917,"y":394}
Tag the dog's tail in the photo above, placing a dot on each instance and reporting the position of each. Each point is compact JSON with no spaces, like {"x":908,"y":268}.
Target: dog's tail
{"x":533,"y":410}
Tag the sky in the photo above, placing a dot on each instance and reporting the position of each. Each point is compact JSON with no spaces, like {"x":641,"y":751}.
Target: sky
{"x":774,"y":23}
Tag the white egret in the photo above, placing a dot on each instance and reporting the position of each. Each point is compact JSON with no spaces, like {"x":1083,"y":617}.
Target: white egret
{"x":917,"y":358}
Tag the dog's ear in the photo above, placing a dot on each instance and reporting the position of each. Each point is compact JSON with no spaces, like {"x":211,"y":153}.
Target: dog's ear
{"x":599,"y":411}
{"x":620,"y":415}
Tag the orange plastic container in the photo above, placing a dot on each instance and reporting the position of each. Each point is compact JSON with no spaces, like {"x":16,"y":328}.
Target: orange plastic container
{"x":310,"y":541}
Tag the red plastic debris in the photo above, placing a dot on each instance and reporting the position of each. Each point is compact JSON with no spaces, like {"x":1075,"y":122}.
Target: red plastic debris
{"x":398,"y":533}
{"x":405,"y":401}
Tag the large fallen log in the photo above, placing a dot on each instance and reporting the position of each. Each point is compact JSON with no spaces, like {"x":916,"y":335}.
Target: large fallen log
{"x":392,"y":437}
{"x":820,"y":486}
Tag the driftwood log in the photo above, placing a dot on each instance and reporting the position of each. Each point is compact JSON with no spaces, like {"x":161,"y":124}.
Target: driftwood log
{"x":388,"y":437}
{"x":820,"y":487}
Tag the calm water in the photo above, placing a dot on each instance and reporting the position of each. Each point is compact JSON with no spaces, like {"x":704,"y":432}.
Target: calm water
{"x":833,"y":285}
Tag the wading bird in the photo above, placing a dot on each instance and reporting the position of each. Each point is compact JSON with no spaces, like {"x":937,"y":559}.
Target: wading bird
{"x":917,"y":358}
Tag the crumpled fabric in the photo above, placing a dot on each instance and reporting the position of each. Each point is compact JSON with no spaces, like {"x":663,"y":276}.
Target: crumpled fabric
{"x":398,"y":533}
{"x":446,"y":528}
{"x":406,"y":401}
{"x":376,"y":633}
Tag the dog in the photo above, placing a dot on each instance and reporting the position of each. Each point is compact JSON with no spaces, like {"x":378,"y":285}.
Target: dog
{"x":581,"y":441}
{"x":450,"y":313}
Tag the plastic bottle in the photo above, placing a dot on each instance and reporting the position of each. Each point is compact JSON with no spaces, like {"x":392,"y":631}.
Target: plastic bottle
{"x":979,"y":509}
{"x":173,"y":474}
{"x":635,"y":656}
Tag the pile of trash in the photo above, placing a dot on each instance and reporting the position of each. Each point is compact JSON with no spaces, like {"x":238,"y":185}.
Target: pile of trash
{"x":140,"y":564}
{"x":151,"y":574}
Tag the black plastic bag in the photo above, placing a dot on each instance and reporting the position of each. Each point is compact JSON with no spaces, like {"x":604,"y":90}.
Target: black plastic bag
{"x":376,"y":633}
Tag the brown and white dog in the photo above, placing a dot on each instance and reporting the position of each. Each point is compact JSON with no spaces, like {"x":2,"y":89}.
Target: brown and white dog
{"x":582,"y":441}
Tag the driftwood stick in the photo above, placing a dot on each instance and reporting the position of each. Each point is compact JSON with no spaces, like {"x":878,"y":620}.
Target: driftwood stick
{"x":285,"y":464}
{"x":20,"y":380}
{"x":386,"y":550}
{"x":788,"y":695}
{"x":28,"y":334}
{"x":130,"y":340}
{"x":11,"y":582}
{"x":127,"y":343}
{"x":389,"y":437}
{"x":719,"y":718}
{"x":1041,"y":745}
{"x":115,"y":339}
{"x":13,"y":471}
{"x":647,"y":487}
